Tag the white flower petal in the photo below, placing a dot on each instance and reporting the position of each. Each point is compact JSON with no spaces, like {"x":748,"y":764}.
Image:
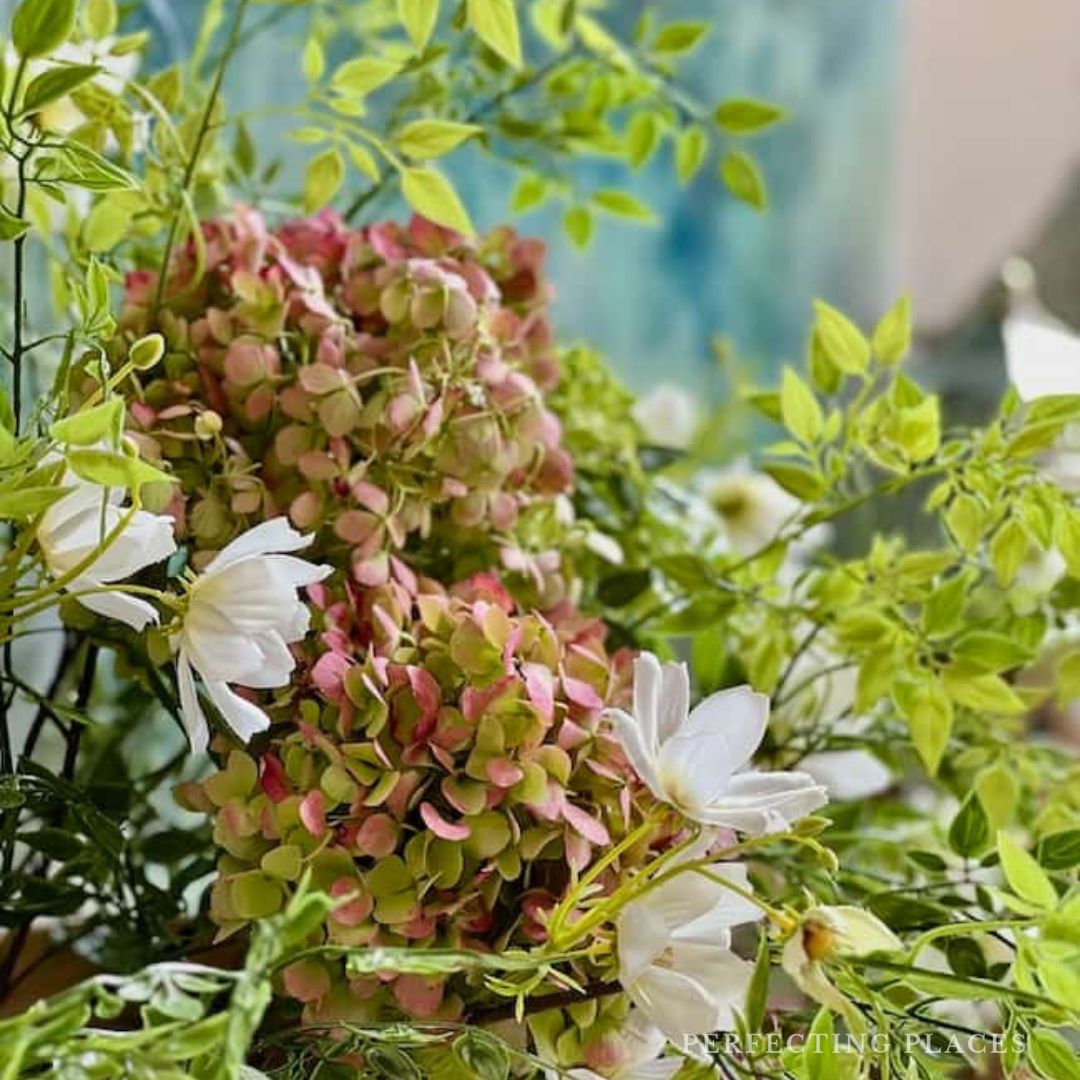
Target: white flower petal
{"x":246,"y":719}
{"x":848,"y":774}
{"x":724,"y":976}
{"x":694,"y":773}
{"x":271,"y":536}
{"x":648,"y":681}
{"x":676,"y":1003}
{"x":631,"y":738}
{"x":764,"y":802}
{"x":198,"y":730}
{"x":642,"y":935}
{"x":132,"y":610}
{"x":674,"y":701}
{"x":736,"y":719}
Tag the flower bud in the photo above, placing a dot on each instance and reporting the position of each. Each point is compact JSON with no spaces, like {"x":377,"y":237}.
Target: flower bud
{"x":146,"y":352}
{"x":208,"y":424}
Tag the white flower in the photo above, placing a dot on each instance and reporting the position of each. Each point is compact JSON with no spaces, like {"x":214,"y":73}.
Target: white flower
{"x":76,"y":524}
{"x":692,"y":761}
{"x":242,"y":614}
{"x":668,"y":416}
{"x":755,"y":508}
{"x":828,"y":700}
{"x":674,"y":952}
{"x":828,"y":933}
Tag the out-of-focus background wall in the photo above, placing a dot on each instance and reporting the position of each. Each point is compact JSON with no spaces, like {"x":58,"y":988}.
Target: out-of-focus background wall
{"x":927,"y":141}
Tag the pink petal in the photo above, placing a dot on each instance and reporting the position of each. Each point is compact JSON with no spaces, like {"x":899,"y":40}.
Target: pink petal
{"x":581,"y":693}
{"x":586,"y":824}
{"x":503,"y":773}
{"x":440,"y":826}
{"x":313,"y":813}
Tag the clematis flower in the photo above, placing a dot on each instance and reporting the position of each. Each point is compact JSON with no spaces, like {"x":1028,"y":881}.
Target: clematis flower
{"x":829,"y":933}
{"x":242,"y":615}
{"x":76,"y":524}
{"x":674,"y":952}
{"x":694,"y":760}
{"x":668,"y":416}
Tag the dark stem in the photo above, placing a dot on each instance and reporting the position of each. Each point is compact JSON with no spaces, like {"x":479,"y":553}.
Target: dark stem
{"x":231,"y":45}
{"x":45,"y":711}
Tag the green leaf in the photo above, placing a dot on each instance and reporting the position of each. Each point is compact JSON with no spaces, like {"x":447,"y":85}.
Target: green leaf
{"x":930,"y":717}
{"x":323,"y":178}
{"x":55,"y":83}
{"x":998,"y":791}
{"x":991,"y":652}
{"x":965,"y":518}
{"x":622,"y":204}
{"x":742,"y":116}
{"x":1023,"y":873}
{"x":803,"y":483}
{"x":1008,"y":550}
{"x":40,"y":27}
{"x":313,"y":60}
{"x":100,"y":17}
{"x":28,"y":502}
{"x":844,"y":343}
{"x":429,"y":193}
{"x":362,"y":159}
{"x":800,"y":408}
{"x":496,"y":24}
{"x":419,"y":18}
{"x":691,"y":149}
{"x":1053,"y":1056}
{"x":642,"y":138}
{"x":981,"y":692}
{"x":114,"y":470}
{"x":88,"y":169}
{"x":742,"y":177}
{"x":757,"y":991}
{"x":969,"y":833}
{"x":1060,"y":850}
{"x":11,"y":227}
{"x":578,"y":223}
{"x":820,"y":1052}
{"x":102,"y":423}
{"x":423,"y":139}
{"x":892,"y":335}
{"x":359,"y":77}
{"x":679,"y":37}
{"x":531,"y":191}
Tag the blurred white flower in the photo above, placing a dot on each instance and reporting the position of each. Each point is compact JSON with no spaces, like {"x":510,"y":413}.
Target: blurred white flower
{"x":668,"y":415}
{"x":828,"y":701}
{"x":693,"y":760}
{"x":242,"y":614}
{"x":76,"y":524}
{"x":829,"y":933}
{"x":674,"y":952}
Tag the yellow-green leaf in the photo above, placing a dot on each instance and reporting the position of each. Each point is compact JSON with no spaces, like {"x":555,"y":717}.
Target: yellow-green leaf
{"x":578,"y":223}
{"x":1024,"y":875}
{"x":642,"y":138}
{"x":115,"y":470}
{"x":843,"y":342}
{"x":800,"y":409}
{"x":39,"y":27}
{"x":313,"y":60}
{"x":691,"y":148}
{"x":892,"y":335}
{"x":429,"y":193}
{"x":680,"y":37}
{"x":496,"y":24}
{"x":363,"y":160}
{"x":100,"y":17}
{"x":419,"y":18}
{"x":102,"y":423}
{"x":622,"y":204}
{"x":423,"y":139}
{"x":361,"y":76}
{"x":742,"y":116}
{"x":531,"y":191}
{"x":742,"y":177}
{"x":323,"y":179}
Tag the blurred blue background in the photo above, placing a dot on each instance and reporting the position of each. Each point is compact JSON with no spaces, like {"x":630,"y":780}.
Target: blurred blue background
{"x":654,"y":298}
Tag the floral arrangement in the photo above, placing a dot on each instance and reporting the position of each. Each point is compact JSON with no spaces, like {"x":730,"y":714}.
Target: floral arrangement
{"x":418,"y":703}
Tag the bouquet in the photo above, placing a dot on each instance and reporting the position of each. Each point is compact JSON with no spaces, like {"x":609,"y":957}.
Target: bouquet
{"x":387,"y":693}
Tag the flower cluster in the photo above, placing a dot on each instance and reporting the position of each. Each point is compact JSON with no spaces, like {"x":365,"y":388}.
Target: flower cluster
{"x":442,"y":765}
{"x":376,"y":385}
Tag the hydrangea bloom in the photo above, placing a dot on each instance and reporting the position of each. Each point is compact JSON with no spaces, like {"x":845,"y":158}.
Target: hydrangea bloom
{"x":444,"y":767}
{"x":375,"y":385}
